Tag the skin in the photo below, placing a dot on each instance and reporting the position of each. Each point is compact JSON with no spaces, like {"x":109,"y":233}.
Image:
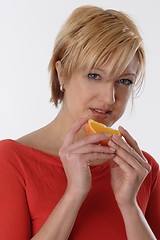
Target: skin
{"x":99,"y":91}
{"x":78,"y":151}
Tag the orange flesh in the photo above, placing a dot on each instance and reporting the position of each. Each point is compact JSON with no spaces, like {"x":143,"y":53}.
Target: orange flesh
{"x":93,"y":127}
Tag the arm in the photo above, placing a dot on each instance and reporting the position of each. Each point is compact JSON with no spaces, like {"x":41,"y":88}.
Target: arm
{"x":15,"y":222}
{"x":14,"y":213}
{"x":153,"y":208}
{"x":135,"y":223}
{"x":75,"y":156}
{"x":128,"y":170}
{"x":60,"y":223}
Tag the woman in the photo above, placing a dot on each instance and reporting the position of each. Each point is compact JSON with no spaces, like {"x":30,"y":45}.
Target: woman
{"x":57,"y":183}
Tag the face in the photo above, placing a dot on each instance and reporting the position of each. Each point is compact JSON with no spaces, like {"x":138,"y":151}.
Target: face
{"x":98,"y":95}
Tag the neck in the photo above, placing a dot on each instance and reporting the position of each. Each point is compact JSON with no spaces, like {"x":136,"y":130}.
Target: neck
{"x":60,"y":126}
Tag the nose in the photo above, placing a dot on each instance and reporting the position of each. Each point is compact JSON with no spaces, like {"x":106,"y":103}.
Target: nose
{"x":107,"y":94}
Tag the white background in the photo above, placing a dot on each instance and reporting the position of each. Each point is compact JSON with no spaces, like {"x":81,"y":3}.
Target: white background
{"x":27,"y":32}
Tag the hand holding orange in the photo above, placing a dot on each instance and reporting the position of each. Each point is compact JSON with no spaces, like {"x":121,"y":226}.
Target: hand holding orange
{"x":93,"y":127}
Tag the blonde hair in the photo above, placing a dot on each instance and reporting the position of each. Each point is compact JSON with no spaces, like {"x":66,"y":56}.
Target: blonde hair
{"x":92,"y":37}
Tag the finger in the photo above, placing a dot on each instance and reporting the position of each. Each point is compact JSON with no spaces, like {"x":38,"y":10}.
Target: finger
{"x":92,"y":148}
{"x":131,"y":141}
{"x":132,"y":145}
{"x":92,"y":139}
{"x":123,"y":154}
{"x":89,"y":158}
{"x":121,"y":163}
{"x":139,"y":172}
{"x":96,"y":158}
{"x":128,"y":154}
{"x":124,"y":145}
{"x":73,"y":130}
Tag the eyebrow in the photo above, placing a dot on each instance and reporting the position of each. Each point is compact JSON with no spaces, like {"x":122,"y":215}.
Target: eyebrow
{"x":125,"y":74}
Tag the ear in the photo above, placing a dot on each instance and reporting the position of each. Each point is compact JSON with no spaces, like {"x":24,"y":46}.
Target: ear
{"x":59,"y":69}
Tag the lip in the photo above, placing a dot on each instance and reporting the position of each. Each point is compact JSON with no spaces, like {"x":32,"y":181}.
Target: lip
{"x":100,"y":113}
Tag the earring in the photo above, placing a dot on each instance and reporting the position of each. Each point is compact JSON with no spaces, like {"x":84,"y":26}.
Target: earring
{"x":62,"y":88}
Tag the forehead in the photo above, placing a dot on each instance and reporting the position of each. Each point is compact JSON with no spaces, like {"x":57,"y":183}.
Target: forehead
{"x":133,"y":66}
{"x":131,"y":69}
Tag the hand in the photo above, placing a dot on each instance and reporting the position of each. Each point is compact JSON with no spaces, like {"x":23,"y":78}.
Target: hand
{"x":77,"y":156}
{"x":129,"y":168}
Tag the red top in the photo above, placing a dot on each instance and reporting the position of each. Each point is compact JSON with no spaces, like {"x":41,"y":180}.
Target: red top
{"x":32,"y":182}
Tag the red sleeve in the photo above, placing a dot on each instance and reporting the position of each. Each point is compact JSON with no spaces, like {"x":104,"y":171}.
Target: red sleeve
{"x":14,"y":214}
{"x":153,"y":208}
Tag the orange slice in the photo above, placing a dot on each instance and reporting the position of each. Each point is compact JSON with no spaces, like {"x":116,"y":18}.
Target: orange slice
{"x":93,"y":127}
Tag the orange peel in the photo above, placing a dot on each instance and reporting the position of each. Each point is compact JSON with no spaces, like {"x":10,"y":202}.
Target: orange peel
{"x":93,"y":127}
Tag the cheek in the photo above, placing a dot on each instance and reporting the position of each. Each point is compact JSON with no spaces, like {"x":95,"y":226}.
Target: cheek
{"x":123,"y":95}
{"x":122,"y":100}
{"x":76,"y":97}
{"x":126,"y":98}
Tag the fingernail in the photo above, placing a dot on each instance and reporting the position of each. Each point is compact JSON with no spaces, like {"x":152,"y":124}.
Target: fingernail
{"x":115,"y":136}
{"x":112,"y":149}
{"x":108,"y":135}
{"x":120,"y":127}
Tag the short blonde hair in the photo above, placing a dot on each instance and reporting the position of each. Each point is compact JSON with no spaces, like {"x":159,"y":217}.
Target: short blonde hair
{"x":92,"y":37}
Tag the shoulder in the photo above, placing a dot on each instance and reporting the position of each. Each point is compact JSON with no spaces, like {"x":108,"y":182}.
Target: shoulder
{"x":10,"y":151}
{"x":10,"y":162}
{"x":7,"y":147}
{"x":13,"y":154}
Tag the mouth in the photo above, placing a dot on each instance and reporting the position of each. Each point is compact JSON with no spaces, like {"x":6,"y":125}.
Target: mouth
{"x":100,"y":113}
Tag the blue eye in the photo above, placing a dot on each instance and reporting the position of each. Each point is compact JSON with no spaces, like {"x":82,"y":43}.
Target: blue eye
{"x":94,"y":76}
{"x":125,"y":81}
